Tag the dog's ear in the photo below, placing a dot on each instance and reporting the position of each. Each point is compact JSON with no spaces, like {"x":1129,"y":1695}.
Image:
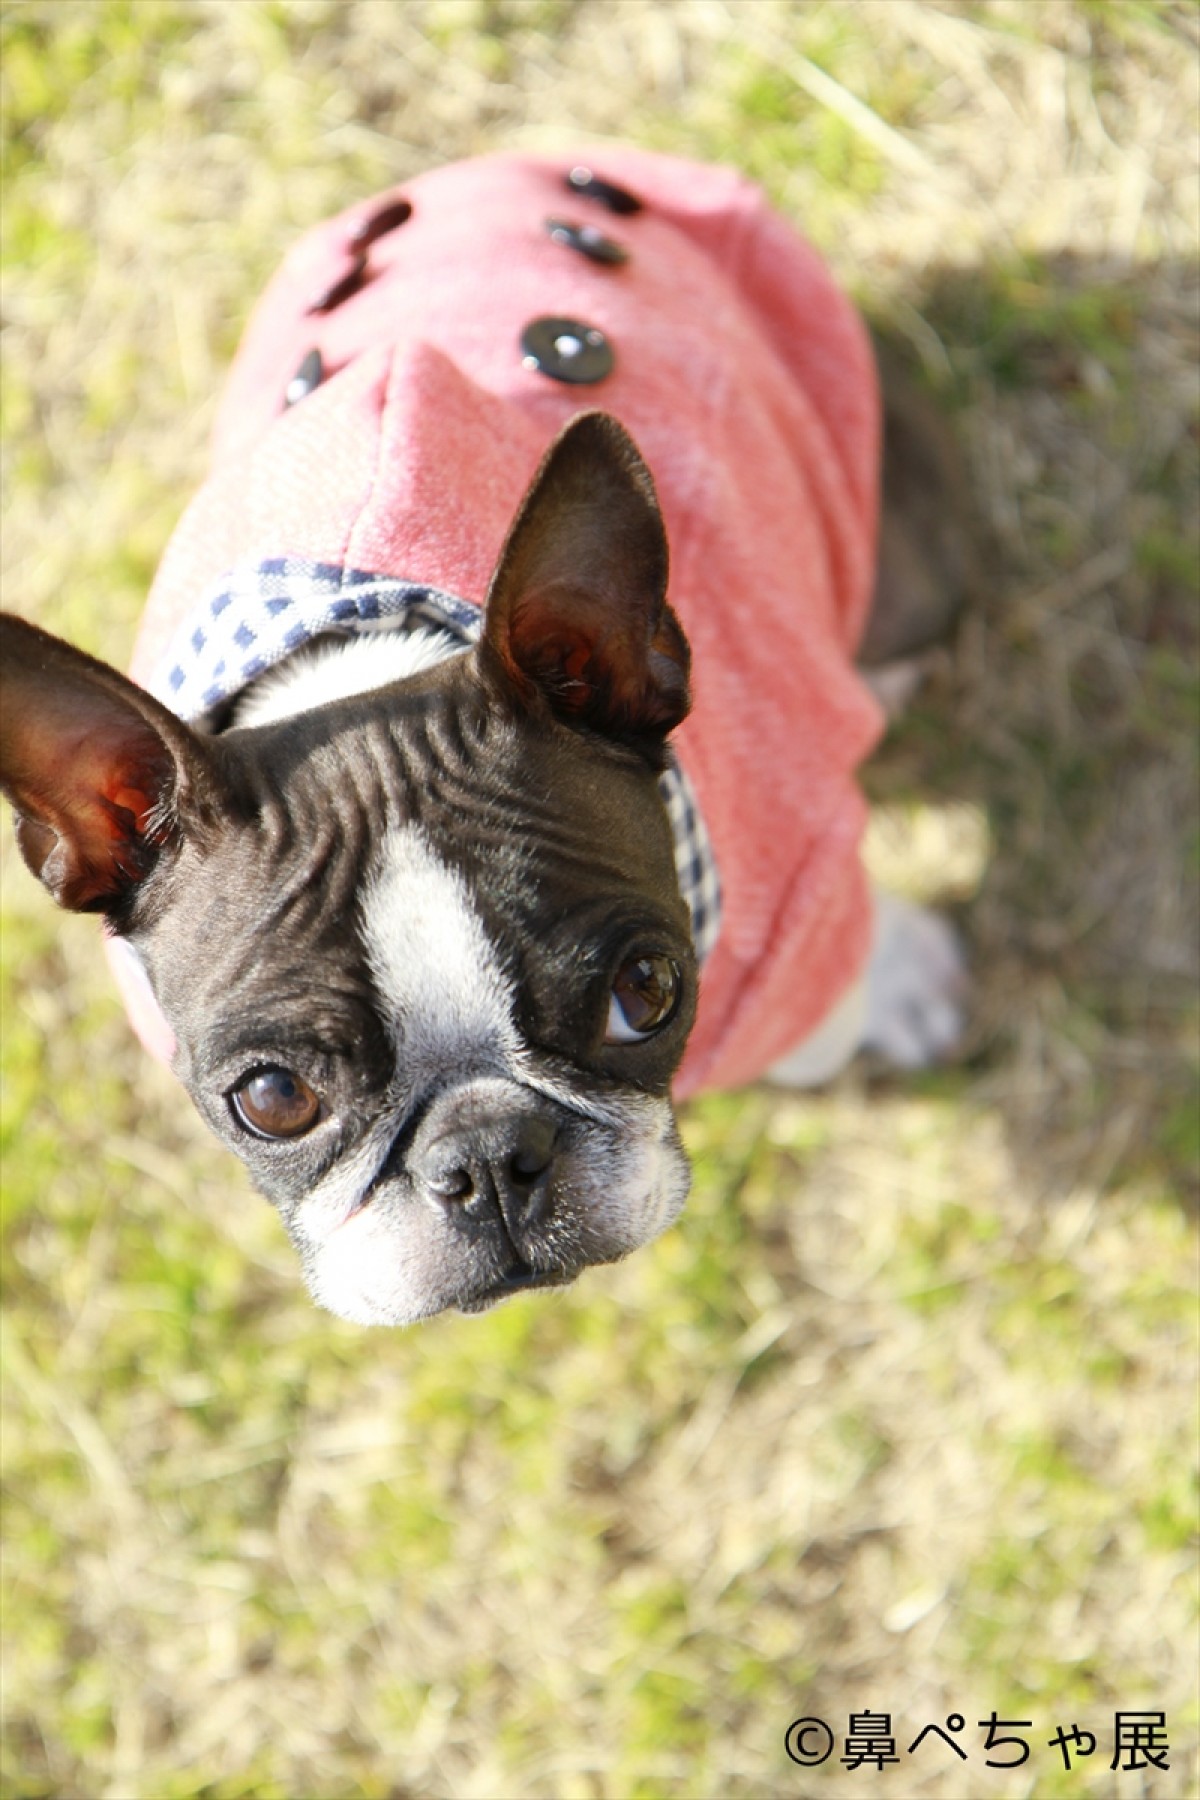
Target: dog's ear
{"x":95,"y":768}
{"x":577,"y":617}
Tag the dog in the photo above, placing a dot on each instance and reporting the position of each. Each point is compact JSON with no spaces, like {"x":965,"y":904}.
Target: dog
{"x":450,"y":826}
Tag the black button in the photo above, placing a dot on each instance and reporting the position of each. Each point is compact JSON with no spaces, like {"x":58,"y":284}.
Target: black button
{"x":347,"y":283}
{"x":567,"y":350}
{"x":588,"y":240}
{"x":582,"y":180}
{"x":308,"y":376}
{"x":368,"y":227}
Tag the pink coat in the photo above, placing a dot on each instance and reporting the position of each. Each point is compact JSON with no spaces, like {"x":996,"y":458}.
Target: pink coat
{"x":748,"y":383}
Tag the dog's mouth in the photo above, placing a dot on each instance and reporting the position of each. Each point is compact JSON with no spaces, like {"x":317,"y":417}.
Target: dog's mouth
{"x":516,"y":1279}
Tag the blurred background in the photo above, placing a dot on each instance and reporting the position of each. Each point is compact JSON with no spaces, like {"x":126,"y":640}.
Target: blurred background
{"x":902,"y":1416}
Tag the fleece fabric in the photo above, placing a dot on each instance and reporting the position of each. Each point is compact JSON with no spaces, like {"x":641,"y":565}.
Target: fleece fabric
{"x":747,"y":380}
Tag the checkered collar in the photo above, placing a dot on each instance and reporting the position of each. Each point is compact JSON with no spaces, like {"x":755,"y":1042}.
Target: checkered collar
{"x":260,"y":613}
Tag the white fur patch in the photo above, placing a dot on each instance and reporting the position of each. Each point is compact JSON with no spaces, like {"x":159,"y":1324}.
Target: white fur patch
{"x":364,"y":1275}
{"x":446,"y":999}
{"x":338,"y":669}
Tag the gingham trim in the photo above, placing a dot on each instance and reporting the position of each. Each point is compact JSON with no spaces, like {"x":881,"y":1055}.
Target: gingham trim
{"x":262,"y":612}
{"x":695,"y":864}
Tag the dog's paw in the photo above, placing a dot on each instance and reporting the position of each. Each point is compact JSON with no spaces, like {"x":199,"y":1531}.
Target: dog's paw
{"x":916,"y":986}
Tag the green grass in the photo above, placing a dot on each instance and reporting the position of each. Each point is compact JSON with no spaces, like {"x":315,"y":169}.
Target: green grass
{"x":902,"y":1415}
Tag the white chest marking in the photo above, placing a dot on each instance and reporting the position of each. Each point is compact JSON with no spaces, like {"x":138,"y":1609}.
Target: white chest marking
{"x":338,"y":668}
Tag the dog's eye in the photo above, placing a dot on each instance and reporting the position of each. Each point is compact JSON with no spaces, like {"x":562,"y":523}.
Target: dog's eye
{"x":644,"y":998}
{"x":274,"y":1103}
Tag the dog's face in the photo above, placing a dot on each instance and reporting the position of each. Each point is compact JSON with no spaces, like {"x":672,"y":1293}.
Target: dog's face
{"x":423,"y":950}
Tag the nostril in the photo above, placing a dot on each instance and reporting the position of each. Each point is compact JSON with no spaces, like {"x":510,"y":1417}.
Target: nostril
{"x":524,"y":1166}
{"x":532,"y":1153}
{"x":452,"y":1184}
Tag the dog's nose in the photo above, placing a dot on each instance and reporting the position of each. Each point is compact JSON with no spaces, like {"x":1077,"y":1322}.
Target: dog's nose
{"x":504,"y":1161}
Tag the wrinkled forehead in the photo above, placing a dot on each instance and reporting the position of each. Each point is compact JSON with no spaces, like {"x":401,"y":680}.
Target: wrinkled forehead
{"x":529,"y":812}
{"x":546,"y":828}
{"x":435,"y":840}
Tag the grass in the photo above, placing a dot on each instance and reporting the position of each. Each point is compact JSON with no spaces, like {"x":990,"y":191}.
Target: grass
{"x":902,"y":1416}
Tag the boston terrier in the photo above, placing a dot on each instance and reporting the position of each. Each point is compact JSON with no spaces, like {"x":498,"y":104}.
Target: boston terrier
{"x":443,"y":835}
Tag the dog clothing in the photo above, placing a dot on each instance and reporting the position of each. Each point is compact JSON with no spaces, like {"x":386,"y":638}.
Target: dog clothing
{"x":395,"y":391}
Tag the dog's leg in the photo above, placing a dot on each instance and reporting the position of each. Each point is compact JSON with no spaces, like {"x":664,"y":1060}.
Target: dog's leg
{"x":908,"y":1007}
{"x":825,"y":1052}
{"x":916,"y":985}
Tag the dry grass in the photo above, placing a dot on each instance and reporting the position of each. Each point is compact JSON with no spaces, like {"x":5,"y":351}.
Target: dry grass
{"x":902,"y":1417}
